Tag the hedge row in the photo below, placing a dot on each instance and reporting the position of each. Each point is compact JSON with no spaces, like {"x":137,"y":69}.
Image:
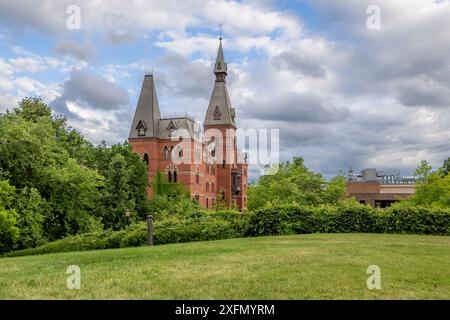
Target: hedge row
{"x":170,"y":230}
{"x":348,"y":217}
{"x":280,"y":220}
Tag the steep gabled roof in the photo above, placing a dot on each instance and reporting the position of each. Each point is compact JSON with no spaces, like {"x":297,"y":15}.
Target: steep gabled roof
{"x":147,"y":110}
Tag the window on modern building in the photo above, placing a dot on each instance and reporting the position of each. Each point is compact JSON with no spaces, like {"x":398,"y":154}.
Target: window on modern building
{"x":166,"y":153}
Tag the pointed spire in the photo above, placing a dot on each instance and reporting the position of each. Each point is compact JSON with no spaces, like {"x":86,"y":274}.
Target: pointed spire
{"x":147,"y":115}
{"x":220,"y":68}
{"x":219,"y":110}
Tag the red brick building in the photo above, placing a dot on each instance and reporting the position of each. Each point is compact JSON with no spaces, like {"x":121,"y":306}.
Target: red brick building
{"x":208,"y":164}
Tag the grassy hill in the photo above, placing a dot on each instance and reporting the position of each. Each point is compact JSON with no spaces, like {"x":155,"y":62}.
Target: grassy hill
{"x":318,"y":266}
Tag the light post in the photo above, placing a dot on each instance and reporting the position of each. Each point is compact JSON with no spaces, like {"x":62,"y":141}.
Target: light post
{"x":127,"y":216}
{"x":150,"y":230}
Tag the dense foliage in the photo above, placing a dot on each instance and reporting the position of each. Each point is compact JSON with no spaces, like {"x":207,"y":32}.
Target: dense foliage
{"x":54,"y":183}
{"x":348,"y":216}
{"x":294,"y":183}
{"x":433,"y":187}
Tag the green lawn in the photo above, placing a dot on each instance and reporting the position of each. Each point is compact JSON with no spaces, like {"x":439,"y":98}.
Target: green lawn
{"x":319,"y":266}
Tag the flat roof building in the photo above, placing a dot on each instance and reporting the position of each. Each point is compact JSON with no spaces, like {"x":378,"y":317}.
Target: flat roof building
{"x":379,"y":188}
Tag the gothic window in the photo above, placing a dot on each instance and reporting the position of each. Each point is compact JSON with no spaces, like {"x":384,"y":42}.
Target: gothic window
{"x":207,"y":203}
{"x":174,"y":176}
{"x":197,"y":178}
{"x":222,"y":195}
{"x":217,"y":115}
{"x":166,"y":153}
{"x":146,"y":159}
{"x":197,"y":198}
{"x":180,"y":153}
{"x":207,"y":186}
{"x":223,"y":164}
{"x":169,"y":176}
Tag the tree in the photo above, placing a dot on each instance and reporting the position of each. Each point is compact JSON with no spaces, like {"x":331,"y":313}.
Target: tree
{"x":74,"y":195}
{"x":432,"y":188}
{"x":293,"y":182}
{"x":31,"y":210}
{"x":423,"y":170}
{"x":9,"y":233}
{"x":117,"y":198}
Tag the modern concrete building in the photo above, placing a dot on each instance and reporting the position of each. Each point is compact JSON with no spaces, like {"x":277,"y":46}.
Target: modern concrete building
{"x":379,"y":188}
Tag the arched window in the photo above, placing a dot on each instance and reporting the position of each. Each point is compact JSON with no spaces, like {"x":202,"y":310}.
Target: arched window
{"x":166,"y":153}
{"x":207,"y":203}
{"x":174,"y":176}
{"x":207,"y":186}
{"x":180,"y":153}
{"x":212,"y":187}
{"x":169,"y":176}
{"x":171,"y":152}
{"x":222,"y":195}
{"x":146,"y":159}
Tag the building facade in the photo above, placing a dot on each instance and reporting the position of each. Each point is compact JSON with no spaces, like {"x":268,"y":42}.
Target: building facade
{"x":379,"y":188}
{"x":208,"y":164}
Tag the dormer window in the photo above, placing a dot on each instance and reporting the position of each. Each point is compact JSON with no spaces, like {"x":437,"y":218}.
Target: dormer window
{"x":141,"y":128}
{"x":217,"y":115}
{"x":171,"y":127}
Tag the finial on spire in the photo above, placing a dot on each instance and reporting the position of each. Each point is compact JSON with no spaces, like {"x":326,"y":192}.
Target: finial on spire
{"x":220,"y":31}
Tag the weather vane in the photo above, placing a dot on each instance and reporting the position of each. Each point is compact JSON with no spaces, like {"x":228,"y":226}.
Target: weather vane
{"x":220,"y":31}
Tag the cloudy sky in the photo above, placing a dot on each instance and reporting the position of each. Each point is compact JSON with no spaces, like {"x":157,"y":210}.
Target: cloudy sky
{"x":342,"y":92}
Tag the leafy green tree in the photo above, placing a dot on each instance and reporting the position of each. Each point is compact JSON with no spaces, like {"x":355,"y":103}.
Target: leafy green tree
{"x":423,"y":170}
{"x":432,"y":187}
{"x":9,"y":233}
{"x":293,"y":182}
{"x":117,"y":198}
{"x":74,"y":193}
{"x":31,"y":209}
